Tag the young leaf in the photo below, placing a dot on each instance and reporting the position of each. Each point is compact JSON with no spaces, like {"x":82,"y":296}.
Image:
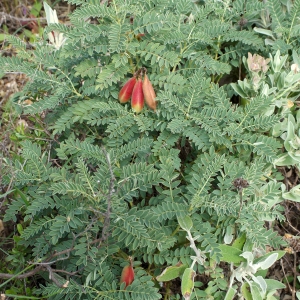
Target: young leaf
{"x":269,"y":261}
{"x":255,"y":292}
{"x":293,"y":194}
{"x":185,"y":223}
{"x":261,"y":282}
{"x":280,"y":253}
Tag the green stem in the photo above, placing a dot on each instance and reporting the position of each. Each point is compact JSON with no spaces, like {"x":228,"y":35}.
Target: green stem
{"x":286,"y":90}
{"x":219,"y":37}
{"x":175,"y":231}
{"x":168,"y":291}
{"x":24,"y":297}
{"x":73,"y":88}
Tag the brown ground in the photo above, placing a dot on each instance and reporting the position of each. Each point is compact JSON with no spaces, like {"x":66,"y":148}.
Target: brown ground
{"x":12,"y":13}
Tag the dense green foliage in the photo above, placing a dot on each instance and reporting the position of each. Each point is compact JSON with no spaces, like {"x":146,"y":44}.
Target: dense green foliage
{"x":111,"y":183}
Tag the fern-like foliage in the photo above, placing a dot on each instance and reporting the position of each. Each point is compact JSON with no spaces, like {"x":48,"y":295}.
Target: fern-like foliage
{"x":112,"y":183}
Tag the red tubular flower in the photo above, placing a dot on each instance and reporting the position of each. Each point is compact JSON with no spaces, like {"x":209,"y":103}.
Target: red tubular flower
{"x":137,"y":98}
{"x":149,"y":93}
{"x":126,"y":90}
{"x":127,"y":275}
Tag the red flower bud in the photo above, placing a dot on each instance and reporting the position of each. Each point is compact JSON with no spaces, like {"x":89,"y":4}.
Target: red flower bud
{"x":139,"y":36}
{"x":137,"y":98}
{"x":149,"y":93}
{"x":127,"y":275}
{"x":126,"y":90}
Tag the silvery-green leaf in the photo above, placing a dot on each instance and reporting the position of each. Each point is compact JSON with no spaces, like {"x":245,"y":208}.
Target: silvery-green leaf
{"x":185,"y":223}
{"x":238,"y":89}
{"x":277,"y":130}
{"x":51,"y":15}
{"x":269,"y":42}
{"x":293,"y":194}
{"x":230,"y":294}
{"x":264,"y":31}
{"x":290,"y":135}
{"x":199,"y":260}
{"x":291,"y":78}
{"x":265,"y":90}
{"x":279,"y":61}
{"x":187,"y":283}
{"x":229,"y":235}
{"x":268,"y":262}
{"x":296,"y":57}
{"x":255,"y":292}
{"x":261,"y":282}
{"x":285,"y":159}
{"x":273,"y":284}
{"x":248,"y":256}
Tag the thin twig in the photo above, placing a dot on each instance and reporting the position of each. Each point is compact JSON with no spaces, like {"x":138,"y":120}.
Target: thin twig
{"x":22,"y":276}
{"x":68,"y":273}
{"x":291,"y":290}
{"x":286,"y":213}
{"x":38,"y":120}
{"x":295,"y":276}
{"x":52,"y":277}
{"x":5,"y":15}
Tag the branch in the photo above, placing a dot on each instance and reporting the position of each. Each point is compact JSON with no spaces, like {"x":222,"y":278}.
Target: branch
{"x":68,"y":273}
{"x":52,"y":277}
{"x":22,"y":276}
{"x":4,"y":15}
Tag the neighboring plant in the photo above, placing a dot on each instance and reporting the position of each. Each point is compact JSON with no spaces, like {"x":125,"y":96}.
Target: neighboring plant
{"x":247,"y":266}
{"x":284,"y":87}
{"x":112,"y":183}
